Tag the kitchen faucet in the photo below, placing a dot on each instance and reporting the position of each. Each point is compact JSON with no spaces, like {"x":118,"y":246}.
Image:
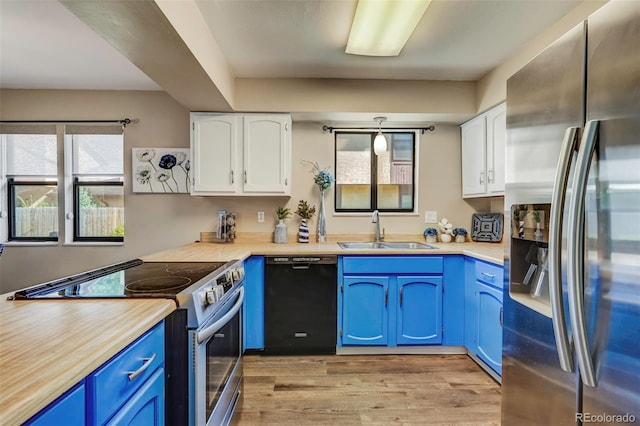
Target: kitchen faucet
{"x":375,"y":218}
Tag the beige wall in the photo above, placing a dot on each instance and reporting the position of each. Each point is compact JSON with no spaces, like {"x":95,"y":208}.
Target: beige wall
{"x":158,"y":221}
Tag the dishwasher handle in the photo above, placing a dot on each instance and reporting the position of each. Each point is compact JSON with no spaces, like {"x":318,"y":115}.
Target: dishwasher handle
{"x":300,"y":265}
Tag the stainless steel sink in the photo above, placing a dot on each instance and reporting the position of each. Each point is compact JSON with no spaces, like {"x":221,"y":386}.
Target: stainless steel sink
{"x":408,"y":245}
{"x":384,"y":245}
{"x":361,"y":245}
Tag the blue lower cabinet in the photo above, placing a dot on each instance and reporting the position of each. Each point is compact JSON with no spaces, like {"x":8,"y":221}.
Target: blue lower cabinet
{"x":146,"y":406}
{"x":253,"y":306}
{"x":484,"y":312}
{"x":390,"y":300}
{"x":419,"y":319}
{"x":68,"y":410}
{"x":365,"y":312}
{"x":489,"y":325}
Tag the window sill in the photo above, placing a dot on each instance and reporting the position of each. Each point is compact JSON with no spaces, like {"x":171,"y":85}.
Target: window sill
{"x":30,"y":243}
{"x":368,"y":214}
{"x":92,"y":243}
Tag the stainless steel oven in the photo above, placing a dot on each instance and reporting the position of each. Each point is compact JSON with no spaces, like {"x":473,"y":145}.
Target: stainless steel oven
{"x":216,"y":356}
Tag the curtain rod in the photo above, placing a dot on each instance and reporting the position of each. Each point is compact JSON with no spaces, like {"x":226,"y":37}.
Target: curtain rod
{"x":330,"y":129}
{"x":124,"y":121}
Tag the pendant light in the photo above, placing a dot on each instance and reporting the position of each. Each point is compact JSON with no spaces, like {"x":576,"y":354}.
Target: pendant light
{"x":380,"y":142}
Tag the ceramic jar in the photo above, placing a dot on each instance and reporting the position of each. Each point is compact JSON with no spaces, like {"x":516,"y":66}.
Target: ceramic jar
{"x":445,"y":238}
{"x":280,"y":234}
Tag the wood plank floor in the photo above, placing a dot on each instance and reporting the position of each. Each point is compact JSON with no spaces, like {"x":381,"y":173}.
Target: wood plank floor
{"x":367,"y":390}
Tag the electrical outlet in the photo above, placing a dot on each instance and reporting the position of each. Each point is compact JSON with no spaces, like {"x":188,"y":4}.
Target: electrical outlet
{"x":430,"y":217}
{"x":260,"y":217}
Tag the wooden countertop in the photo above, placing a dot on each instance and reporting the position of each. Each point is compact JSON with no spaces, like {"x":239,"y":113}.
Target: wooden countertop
{"x":203,"y":252}
{"x":47,"y":346}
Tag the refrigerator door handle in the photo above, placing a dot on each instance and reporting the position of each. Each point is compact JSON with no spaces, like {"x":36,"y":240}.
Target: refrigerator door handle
{"x":575,"y":247}
{"x":569,"y":146}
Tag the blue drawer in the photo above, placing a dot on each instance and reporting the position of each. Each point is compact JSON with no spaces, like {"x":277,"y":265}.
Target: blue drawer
{"x":111,"y":384}
{"x":489,"y":273}
{"x":392,"y":264}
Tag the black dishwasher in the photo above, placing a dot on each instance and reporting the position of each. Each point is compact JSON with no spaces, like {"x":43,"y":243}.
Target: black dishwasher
{"x":300,"y":304}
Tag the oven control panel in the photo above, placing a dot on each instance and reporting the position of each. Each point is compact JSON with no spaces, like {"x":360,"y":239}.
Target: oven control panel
{"x":222,"y":284}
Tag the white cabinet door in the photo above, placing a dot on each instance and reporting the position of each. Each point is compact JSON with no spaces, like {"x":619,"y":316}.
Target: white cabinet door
{"x":473,"y":157}
{"x":214,"y":154}
{"x":235,"y":154}
{"x":483,"y":161}
{"x":267,"y":151}
{"x":496,"y":140}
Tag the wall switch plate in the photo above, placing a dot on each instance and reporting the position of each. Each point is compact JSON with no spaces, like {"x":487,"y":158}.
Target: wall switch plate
{"x":260,"y":217}
{"x":430,"y":217}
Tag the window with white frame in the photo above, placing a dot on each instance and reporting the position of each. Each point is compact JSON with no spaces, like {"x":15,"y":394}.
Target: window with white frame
{"x":29,"y":177}
{"x":366,"y":181}
{"x":94,"y":183}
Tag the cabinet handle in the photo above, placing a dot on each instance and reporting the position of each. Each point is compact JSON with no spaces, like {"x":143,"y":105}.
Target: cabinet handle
{"x":143,"y":367}
{"x":481,"y":178}
{"x":489,"y":276}
{"x":286,"y":182}
{"x":386,"y":297}
{"x":232,"y":177}
{"x":245,"y":176}
{"x":501,"y":313}
{"x":490,"y":177}
{"x":400,"y":296}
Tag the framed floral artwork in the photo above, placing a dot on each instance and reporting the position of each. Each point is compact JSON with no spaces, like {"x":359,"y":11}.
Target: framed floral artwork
{"x":161,"y":170}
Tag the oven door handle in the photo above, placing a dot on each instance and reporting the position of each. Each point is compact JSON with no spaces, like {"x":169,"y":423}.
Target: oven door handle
{"x":204,"y":334}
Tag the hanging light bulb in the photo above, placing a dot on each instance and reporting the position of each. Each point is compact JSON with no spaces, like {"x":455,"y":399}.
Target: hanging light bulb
{"x":380,"y":142}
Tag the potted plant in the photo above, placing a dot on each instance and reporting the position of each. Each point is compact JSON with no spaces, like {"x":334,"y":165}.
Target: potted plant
{"x":445,"y":230}
{"x":430,"y":235}
{"x":306,"y":212}
{"x":280,"y":234}
{"x":460,"y":234}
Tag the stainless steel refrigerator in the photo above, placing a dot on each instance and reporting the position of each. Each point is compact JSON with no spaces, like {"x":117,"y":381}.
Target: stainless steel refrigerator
{"x":571,"y":336}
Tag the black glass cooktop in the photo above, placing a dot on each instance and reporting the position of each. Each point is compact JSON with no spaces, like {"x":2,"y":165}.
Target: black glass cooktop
{"x":128,"y":279}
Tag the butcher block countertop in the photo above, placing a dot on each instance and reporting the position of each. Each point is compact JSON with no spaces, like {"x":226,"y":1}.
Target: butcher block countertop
{"x":202,"y":252}
{"x":47,"y":346}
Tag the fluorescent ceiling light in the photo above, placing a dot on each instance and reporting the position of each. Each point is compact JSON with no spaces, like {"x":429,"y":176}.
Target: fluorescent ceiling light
{"x":382,"y":27}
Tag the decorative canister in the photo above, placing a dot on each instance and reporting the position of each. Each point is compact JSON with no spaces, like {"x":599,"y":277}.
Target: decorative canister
{"x":430,"y":238}
{"x":303,"y":232}
{"x":280,"y":234}
{"x":460,"y":238}
{"x":445,"y":238}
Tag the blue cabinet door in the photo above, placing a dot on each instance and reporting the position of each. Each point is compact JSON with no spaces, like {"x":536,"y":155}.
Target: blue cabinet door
{"x":489,"y":333}
{"x":253,"y":307}
{"x":419,"y":310}
{"x":146,"y":406}
{"x":365,"y":310}
{"x":66,"y":410}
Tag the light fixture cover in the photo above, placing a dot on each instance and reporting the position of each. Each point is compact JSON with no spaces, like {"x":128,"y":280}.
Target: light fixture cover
{"x":380,"y":144}
{"x":382,"y":27}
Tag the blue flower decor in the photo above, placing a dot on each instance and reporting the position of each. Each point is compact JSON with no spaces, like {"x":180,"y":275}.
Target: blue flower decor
{"x":161,"y":170}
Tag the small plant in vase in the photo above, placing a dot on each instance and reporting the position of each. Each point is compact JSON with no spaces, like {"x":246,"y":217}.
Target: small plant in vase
{"x":460,"y":234}
{"x":280,"y":234}
{"x":430,"y":235}
{"x":306,"y":212}
{"x":446,"y":230}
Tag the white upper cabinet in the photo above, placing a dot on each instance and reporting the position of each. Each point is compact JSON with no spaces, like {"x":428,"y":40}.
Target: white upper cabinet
{"x":241,"y":154}
{"x":483,"y":142}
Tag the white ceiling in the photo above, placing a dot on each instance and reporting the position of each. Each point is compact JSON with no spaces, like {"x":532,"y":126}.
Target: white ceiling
{"x":44,"y":46}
